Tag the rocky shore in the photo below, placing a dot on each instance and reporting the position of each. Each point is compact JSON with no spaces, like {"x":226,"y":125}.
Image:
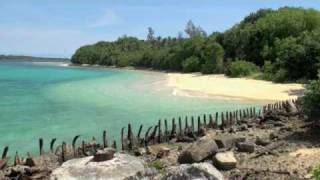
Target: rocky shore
{"x":279,"y":143}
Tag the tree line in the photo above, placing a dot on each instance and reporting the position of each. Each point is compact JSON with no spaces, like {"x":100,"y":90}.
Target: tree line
{"x":281,"y":45}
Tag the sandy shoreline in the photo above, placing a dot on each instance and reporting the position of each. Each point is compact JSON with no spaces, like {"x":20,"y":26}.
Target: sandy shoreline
{"x":220,"y":86}
{"x":238,"y":88}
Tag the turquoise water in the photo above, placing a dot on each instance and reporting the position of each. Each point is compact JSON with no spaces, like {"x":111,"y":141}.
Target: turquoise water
{"x":61,"y":102}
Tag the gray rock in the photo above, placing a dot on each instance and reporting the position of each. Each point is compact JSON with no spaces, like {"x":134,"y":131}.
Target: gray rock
{"x":262,"y":141}
{"x":245,"y":147}
{"x":198,"y":171}
{"x":122,"y":166}
{"x":198,"y":151}
{"x":104,"y":155}
{"x":225,"y":160}
{"x":225,"y":142}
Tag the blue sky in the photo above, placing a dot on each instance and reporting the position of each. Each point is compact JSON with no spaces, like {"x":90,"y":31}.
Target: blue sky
{"x":57,"y":28}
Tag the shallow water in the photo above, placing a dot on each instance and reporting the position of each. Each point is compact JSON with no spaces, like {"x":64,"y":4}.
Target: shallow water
{"x":60,"y":102}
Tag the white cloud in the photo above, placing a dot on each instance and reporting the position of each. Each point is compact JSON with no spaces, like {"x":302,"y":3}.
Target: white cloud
{"x":108,"y":18}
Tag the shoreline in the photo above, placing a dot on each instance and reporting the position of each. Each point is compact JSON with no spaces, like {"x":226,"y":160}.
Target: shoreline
{"x":218,"y":86}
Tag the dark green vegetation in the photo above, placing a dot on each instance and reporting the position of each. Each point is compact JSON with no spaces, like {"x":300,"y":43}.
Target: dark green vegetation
{"x":311,"y":100}
{"x":284,"y":44}
{"x":30,"y":58}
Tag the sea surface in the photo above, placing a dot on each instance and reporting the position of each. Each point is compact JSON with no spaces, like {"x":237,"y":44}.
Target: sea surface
{"x":49,"y":100}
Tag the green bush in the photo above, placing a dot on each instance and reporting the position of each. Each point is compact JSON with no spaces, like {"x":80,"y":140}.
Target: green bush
{"x":316,"y":173}
{"x":311,"y":99}
{"x":241,"y":68}
{"x":157,"y":164}
{"x":191,"y":64}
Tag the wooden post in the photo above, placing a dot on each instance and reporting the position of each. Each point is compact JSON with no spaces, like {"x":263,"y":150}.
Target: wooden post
{"x":217,"y":119}
{"x":186,"y":122}
{"x":52,"y":144}
{"x":139,"y":132}
{"x":122,"y":138}
{"x":205,"y":120}
{"x":146,"y":140}
{"x":114,"y":144}
{"x":5,"y":152}
{"x":63,"y":150}
{"x":211,"y":124}
{"x":166,"y":130}
{"x":40,"y":146}
{"x":129,"y":136}
{"x":159,"y":131}
{"x":227,"y":117}
{"x":173,"y":130}
{"x":180,"y":127}
{"x":192,"y":124}
{"x":222,"y":120}
{"x":74,"y":144}
{"x":104,"y":139}
{"x":199,"y":125}
{"x":17,"y":160}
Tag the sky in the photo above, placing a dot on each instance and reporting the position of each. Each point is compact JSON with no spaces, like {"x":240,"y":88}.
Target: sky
{"x":56,"y":28}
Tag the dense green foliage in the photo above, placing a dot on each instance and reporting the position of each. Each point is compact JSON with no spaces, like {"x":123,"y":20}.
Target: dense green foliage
{"x":241,"y":68}
{"x":285,"y":43}
{"x":316,"y":173}
{"x":311,"y":98}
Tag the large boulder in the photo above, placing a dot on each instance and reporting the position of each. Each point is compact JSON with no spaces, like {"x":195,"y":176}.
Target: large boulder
{"x":122,"y":166}
{"x":198,"y":151}
{"x":199,"y":171}
{"x":225,"y":160}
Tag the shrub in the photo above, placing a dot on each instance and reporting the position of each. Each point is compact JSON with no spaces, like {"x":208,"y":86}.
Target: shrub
{"x":311,"y":99}
{"x":316,"y":173}
{"x":191,"y":64}
{"x":157,"y":164}
{"x":241,"y":68}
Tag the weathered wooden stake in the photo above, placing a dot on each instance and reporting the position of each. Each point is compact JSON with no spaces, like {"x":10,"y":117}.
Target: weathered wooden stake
{"x":129,"y":136}
{"x":122,"y":138}
{"x":74,"y":141}
{"x":159,"y":131}
{"x":205,"y":120}
{"x":174,"y":129}
{"x":199,"y":125}
{"x":166,"y":130}
{"x":114,"y":145}
{"x":192,"y":124}
{"x":5,"y":152}
{"x":180,"y":127}
{"x":104,"y":139}
{"x":146,"y":140}
{"x":52,"y":144}
{"x":63,"y":151}
{"x":139,"y":132}
{"x":40,"y":146}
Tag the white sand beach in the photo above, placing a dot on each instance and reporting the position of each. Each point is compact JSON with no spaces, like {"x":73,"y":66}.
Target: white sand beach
{"x":220,"y":85}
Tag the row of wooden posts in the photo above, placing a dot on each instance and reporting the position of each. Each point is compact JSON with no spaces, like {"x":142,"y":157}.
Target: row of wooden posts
{"x":155,"y":134}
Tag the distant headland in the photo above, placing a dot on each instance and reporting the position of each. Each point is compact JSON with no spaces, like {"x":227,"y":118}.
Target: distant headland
{"x":31,"y":58}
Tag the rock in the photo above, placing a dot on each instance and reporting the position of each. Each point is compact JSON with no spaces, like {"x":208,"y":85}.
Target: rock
{"x":163,"y":152}
{"x":262,"y":142}
{"x":200,"y":171}
{"x":139,"y":151}
{"x":104,"y":155}
{"x":198,"y":151}
{"x":48,"y":161}
{"x":273,"y":136}
{"x":122,"y":166}
{"x":225,"y":141}
{"x":30,"y":162}
{"x":243,"y":127}
{"x":225,"y":160}
{"x":245,"y":147}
